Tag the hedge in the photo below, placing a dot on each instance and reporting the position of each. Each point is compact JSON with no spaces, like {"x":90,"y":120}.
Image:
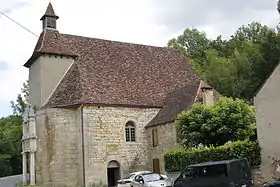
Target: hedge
{"x":177,"y":160}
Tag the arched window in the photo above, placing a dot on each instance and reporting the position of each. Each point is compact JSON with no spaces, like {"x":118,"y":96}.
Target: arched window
{"x":130,"y":131}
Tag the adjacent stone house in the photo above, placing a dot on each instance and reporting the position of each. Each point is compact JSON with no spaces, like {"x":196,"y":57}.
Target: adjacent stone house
{"x":267,"y":107}
{"x":105,"y":108}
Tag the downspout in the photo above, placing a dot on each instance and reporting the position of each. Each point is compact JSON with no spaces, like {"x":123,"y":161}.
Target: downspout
{"x":83,"y":145}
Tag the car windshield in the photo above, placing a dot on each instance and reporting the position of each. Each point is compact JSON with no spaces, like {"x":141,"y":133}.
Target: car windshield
{"x":129,"y":176}
{"x":209,"y":171}
{"x":151,"y":177}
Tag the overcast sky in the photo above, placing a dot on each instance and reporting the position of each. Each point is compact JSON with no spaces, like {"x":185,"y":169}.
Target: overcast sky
{"x":151,"y":22}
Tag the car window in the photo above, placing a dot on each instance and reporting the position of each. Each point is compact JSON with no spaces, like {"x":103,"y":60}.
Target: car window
{"x":219,"y":170}
{"x":240,"y":171}
{"x":129,"y":176}
{"x":138,"y":178}
{"x":187,"y":173}
{"x":152,"y":177}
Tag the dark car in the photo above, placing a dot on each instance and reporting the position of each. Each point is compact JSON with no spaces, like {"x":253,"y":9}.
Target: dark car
{"x":275,"y":183}
{"x":226,"y":173}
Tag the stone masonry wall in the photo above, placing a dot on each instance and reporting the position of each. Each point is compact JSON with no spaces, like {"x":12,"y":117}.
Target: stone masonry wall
{"x":267,"y":104}
{"x":166,"y":141}
{"x":58,"y":159}
{"x":104,"y":129}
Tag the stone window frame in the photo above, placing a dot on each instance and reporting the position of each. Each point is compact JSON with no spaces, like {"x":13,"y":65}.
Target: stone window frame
{"x":130,"y":131}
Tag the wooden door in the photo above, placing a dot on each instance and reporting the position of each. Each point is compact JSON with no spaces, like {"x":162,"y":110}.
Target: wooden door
{"x":156,"y":167}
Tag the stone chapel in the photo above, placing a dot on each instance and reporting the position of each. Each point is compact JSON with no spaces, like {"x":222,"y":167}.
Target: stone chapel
{"x":100,"y":109}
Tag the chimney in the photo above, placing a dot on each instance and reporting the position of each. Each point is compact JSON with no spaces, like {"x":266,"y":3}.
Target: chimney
{"x":207,"y":95}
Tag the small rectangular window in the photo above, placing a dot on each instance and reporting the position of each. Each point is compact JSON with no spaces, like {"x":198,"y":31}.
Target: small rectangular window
{"x":155,"y":137}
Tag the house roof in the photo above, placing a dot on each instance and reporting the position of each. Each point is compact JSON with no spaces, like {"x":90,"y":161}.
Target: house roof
{"x":180,"y":100}
{"x":50,"y":42}
{"x":115,"y":73}
{"x":118,"y":73}
{"x":176,"y":102}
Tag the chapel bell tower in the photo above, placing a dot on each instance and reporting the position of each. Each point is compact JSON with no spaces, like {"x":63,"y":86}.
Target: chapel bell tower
{"x":49,"y":18}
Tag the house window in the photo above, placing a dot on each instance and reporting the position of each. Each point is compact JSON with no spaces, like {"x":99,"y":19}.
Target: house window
{"x":156,"y":168}
{"x":155,"y":137}
{"x":130,"y":132}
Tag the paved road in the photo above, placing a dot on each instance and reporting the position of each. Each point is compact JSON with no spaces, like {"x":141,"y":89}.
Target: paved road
{"x":10,"y":181}
{"x":4,"y":183}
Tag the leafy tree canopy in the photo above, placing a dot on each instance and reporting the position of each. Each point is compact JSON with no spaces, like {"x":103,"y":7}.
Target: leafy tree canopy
{"x":227,"y":120}
{"x":237,"y":66}
{"x":21,"y":101}
{"x":10,"y":136}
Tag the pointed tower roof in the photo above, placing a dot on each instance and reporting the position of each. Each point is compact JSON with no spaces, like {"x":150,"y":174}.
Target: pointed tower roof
{"x":49,"y":12}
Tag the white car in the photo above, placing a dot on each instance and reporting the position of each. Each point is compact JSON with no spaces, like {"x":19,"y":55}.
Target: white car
{"x":150,"y":180}
{"x":126,"y":181}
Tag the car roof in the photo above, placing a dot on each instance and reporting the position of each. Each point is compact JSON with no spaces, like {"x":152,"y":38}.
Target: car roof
{"x":216,"y":162}
{"x":149,"y":173}
{"x":140,"y":172}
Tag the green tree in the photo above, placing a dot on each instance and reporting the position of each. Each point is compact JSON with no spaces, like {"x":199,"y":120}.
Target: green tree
{"x":10,"y":145}
{"x":248,"y":58}
{"x":10,"y":135}
{"x":261,"y":45}
{"x":21,"y":101}
{"x":227,"y":120}
{"x":192,"y":43}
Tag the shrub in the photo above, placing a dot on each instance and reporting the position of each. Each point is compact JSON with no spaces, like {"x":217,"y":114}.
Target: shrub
{"x":227,"y":120}
{"x":177,"y":160}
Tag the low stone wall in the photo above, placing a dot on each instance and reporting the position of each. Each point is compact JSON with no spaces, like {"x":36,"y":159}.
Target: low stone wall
{"x":256,"y":175}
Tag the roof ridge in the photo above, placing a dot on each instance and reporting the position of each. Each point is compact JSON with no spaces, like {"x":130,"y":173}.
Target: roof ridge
{"x":120,"y":42}
{"x":50,"y":42}
{"x":55,"y":88}
{"x":176,"y":101}
{"x":197,"y":92}
{"x":80,"y":82}
{"x":55,"y":40}
{"x":43,"y":39}
{"x":72,"y":75}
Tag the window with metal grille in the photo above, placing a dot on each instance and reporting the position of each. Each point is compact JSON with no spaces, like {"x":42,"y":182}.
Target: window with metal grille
{"x":130,"y":132}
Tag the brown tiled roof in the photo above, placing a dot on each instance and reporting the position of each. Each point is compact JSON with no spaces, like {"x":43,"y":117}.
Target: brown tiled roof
{"x":50,"y":42}
{"x":176,"y":102}
{"x":180,"y":100}
{"x":117,"y":73}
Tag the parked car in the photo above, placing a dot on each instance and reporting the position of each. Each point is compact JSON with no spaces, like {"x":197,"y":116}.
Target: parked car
{"x":226,"y":173}
{"x":275,"y":183}
{"x":150,"y":180}
{"x":126,"y":181}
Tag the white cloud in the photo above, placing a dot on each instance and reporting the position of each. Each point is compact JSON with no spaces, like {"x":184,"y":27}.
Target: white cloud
{"x":123,"y":20}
